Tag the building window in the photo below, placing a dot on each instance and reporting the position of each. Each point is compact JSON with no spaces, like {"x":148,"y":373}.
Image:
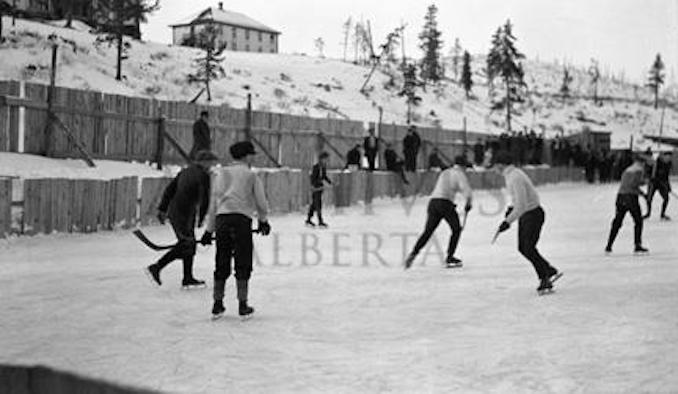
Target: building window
{"x":247,"y":34}
{"x":260,"y":36}
{"x":247,"y":48}
{"x":235,"y":34}
{"x":260,"y":50}
{"x":272,"y":38}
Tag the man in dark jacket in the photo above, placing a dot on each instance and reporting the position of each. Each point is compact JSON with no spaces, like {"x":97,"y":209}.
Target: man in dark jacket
{"x":318,"y":179}
{"x":353,"y":158}
{"x":434,"y":160}
{"x":411,"y":145}
{"x":394,"y":163}
{"x":201,"y":135}
{"x":371,"y":146}
{"x":187,"y":195}
{"x":659,"y":181}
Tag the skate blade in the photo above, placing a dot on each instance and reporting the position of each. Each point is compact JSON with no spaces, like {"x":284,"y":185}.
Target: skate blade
{"x":555,"y":277}
{"x":455,"y":265}
{"x":217,"y":317}
{"x":244,"y":318}
{"x":193,"y":287}
{"x":641,"y":253}
{"x":545,"y":292}
{"x":150,"y":277}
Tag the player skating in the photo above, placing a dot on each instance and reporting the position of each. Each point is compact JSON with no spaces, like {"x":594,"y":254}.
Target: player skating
{"x":186,"y":195}
{"x":441,"y":206}
{"x":318,"y":179}
{"x":627,"y":201}
{"x":659,"y":181}
{"x":237,"y":193}
{"x":527,"y":210}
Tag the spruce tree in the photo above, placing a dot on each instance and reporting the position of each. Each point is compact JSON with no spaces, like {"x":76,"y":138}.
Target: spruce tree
{"x":565,"y":85}
{"x":656,"y":78}
{"x":466,"y":74}
{"x":431,"y":67}
{"x":503,"y":61}
{"x":594,"y":73}
{"x":409,"y":91}
{"x":113,"y":15}
{"x":457,"y":53}
{"x":208,"y":66}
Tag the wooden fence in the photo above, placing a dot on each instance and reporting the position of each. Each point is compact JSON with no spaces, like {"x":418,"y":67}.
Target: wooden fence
{"x":121,"y":127}
{"x":83,"y":205}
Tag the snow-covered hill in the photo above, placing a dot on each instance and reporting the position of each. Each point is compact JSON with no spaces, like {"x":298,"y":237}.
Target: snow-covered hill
{"x":326,"y":87}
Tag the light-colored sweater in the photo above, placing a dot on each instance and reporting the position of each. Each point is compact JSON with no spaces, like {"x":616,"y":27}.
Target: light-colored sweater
{"x":450,"y":182}
{"x":236,"y":189}
{"x":523,"y":194}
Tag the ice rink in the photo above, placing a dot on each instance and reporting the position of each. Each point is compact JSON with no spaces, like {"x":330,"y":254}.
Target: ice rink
{"x":335,"y":312}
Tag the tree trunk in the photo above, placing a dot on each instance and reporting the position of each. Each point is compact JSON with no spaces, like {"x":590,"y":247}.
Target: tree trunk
{"x":207,"y":88}
{"x":118,"y":71}
{"x":656,"y":96}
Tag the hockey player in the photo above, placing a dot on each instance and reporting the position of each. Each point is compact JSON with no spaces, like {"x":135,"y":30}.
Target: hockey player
{"x":318,"y":179}
{"x":188,"y":192}
{"x":627,"y":201}
{"x":441,"y":206}
{"x":237,"y":193}
{"x":659,"y":181}
{"x":527,"y":210}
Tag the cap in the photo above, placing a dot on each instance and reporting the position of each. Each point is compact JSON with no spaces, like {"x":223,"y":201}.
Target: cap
{"x":205,"y":155}
{"x":242,"y":149}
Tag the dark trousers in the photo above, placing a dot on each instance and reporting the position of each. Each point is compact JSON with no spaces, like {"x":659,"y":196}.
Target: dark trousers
{"x":410,"y":161}
{"x":439,"y":209}
{"x":529,"y":230}
{"x":371,"y":159}
{"x":185,"y":247}
{"x":316,"y":205}
{"x":234,"y":240}
{"x":664,"y":189}
{"x":627,"y":203}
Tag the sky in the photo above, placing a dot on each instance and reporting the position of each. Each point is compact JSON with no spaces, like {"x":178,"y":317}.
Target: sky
{"x":624,"y":35}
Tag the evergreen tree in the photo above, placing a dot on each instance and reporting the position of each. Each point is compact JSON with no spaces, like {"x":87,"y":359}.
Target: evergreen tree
{"x":319,"y":44}
{"x":113,"y":16}
{"x":457,"y":53}
{"x":594,"y":73}
{"x":431,"y":67}
{"x":466,"y":74}
{"x":656,"y":78}
{"x":208,"y":66}
{"x":503,"y":61}
{"x":565,"y":85}
{"x":409,"y":91}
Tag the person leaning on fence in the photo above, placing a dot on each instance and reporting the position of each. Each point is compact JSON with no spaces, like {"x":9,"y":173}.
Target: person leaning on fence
{"x":202,"y":139}
{"x":186,"y":195}
{"x":318,"y":179}
{"x":394,"y":163}
{"x":353,"y":158}
{"x":371,"y":146}
{"x":411,"y":145}
{"x":237,"y":194}
{"x":434,"y":160}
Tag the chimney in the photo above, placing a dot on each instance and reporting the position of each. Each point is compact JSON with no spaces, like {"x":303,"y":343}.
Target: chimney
{"x":221,"y":6}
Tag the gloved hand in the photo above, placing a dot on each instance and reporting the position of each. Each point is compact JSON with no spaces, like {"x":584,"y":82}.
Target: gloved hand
{"x":508,"y":211}
{"x":206,"y":238}
{"x":504,"y":226}
{"x":468,"y":206}
{"x":162,"y":216}
{"x":264,"y":228}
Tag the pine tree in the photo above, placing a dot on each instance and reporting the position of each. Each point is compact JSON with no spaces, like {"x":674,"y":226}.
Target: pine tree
{"x":594,"y":73}
{"x":208,"y":66}
{"x":457,"y":53}
{"x":503,"y":62}
{"x":656,"y":78}
{"x":409,"y":90}
{"x":466,"y":74}
{"x":319,"y":44}
{"x":565,"y":85}
{"x":71,"y":6}
{"x":113,"y":15}
{"x":431,"y":67}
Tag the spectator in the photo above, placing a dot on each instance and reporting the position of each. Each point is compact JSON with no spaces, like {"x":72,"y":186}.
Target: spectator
{"x":411,"y":145}
{"x":434,"y":160}
{"x":353,"y":158}
{"x":371,"y":146}
{"x":201,"y":135}
{"x":394,"y":163}
{"x":478,"y":152}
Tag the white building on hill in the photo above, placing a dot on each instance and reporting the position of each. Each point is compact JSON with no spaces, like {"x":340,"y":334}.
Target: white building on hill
{"x":237,"y":31}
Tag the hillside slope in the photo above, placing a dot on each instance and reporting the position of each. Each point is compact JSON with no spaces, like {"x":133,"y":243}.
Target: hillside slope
{"x":326,"y":87}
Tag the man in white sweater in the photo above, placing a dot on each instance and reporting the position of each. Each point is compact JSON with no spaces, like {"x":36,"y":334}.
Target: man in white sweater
{"x":527,"y":210}
{"x":237,"y":193}
{"x":441,"y":206}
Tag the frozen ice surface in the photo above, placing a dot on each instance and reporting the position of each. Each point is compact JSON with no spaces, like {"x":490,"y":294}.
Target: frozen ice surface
{"x":352,"y":322}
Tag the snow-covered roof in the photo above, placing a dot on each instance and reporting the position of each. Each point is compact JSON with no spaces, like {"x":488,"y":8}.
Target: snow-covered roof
{"x":231,"y":18}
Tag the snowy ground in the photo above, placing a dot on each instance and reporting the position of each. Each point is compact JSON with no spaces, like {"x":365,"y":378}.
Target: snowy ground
{"x":358,"y":324}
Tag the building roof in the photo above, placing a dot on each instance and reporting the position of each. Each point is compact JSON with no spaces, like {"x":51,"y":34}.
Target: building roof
{"x":219,"y":15}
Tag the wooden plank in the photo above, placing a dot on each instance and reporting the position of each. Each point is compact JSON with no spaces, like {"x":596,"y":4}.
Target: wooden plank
{"x":31,"y":206}
{"x":151,"y":194}
{"x":132,"y":189}
{"x":5,"y":207}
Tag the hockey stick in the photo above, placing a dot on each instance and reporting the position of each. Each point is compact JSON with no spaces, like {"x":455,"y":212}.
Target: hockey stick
{"x":143,"y":238}
{"x":496,"y":235}
{"x":674,"y":194}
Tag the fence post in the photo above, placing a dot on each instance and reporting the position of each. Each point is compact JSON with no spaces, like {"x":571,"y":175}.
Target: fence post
{"x":248,"y":118}
{"x":160,"y":142}
{"x":49,"y":128}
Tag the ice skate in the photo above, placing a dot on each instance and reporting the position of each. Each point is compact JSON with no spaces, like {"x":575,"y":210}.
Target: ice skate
{"x":218,"y":310}
{"x":453,"y":262}
{"x":553,"y":278}
{"x":192,"y":283}
{"x":409,"y":261}
{"x":665,"y":218}
{"x":245,"y":311}
{"x":322,"y":225}
{"x":309,"y":223}
{"x":153,"y":274}
{"x":545,"y":287}
{"x":640,"y":250}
